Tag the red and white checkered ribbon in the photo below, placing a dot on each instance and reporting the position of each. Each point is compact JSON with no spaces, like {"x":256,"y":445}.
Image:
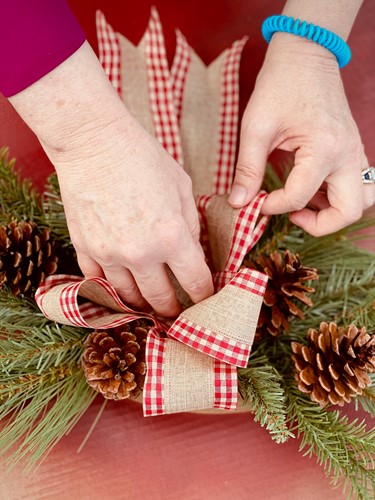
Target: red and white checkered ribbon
{"x":59,"y":298}
{"x":179,"y":71}
{"x":109,"y":50}
{"x":161,"y":95}
{"x":223,"y":326}
{"x":229,"y":118}
{"x":249,"y":228}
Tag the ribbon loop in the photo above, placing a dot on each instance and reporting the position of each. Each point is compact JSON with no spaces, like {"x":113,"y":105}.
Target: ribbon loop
{"x":223,"y":326}
{"x":58,"y":299}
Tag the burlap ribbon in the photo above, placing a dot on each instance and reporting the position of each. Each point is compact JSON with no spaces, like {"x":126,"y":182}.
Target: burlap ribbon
{"x":192,"y":110}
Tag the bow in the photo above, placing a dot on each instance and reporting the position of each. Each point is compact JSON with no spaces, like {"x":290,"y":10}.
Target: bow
{"x":208,"y":340}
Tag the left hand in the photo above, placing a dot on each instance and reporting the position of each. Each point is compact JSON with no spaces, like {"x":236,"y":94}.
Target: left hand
{"x":299,"y":105}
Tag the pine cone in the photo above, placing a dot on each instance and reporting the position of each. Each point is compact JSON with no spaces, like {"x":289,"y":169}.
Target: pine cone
{"x":114,"y":360}
{"x":286,"y":276}
{"x":334,"y":366}
{"x":27,"y":256}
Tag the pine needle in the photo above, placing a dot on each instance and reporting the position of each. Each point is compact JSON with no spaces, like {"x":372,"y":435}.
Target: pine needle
{"x":261,"y":385}
{"x":345,"y":449}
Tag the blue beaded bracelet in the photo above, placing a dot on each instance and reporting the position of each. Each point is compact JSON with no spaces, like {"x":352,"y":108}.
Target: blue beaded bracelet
{"x":323,"y":37}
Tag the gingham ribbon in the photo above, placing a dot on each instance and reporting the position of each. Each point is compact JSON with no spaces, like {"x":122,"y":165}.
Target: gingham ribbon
{"x":160,"y":89}
{"x":212,"y":383}
{"x":109,"y":50}
{"x":60,"y":299}
{"x":248,"y":226}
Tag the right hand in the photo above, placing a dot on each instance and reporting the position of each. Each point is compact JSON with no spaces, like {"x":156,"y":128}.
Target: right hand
{"x":131,"y":212}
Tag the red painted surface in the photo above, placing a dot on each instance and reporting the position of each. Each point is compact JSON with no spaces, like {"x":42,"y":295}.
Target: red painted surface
{"x":190,"y":457}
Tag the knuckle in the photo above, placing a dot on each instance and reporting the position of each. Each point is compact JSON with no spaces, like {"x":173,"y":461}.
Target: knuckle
{"x":134,"y":256}
{"x":354,"y":214}
{"x":331,"y":145}
{"x":160,"y":298}
{"x":128,"y":291}
{"x":294,"y":202}
{"x":247,"y":170}
{"x":103,"y":255}
{"x":198,"y":285}
{"x":171,"y":234}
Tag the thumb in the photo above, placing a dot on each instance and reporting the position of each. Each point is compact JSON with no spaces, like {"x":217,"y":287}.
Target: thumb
{"x":251,"y":163}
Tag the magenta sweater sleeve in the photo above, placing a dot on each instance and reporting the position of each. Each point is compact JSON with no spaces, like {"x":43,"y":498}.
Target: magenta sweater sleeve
{"x":35,"y":37}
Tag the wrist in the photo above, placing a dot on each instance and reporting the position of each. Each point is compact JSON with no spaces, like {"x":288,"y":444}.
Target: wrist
{"x":335,"y":15}
{"x":71,"y":106}
{"x":292,"y":49}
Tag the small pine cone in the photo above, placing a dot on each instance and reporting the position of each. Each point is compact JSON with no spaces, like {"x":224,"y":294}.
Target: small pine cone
{"x":114,"y":360}
{"x":286,"y":277}
{"x":27,"y":256}
{"x":334,"y":366}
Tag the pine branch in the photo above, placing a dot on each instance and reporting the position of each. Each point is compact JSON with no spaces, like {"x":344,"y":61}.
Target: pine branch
{"x":345,"y":449}
{"x":50,"y":413}
{"x":18,"y":199}
{"x":43,"y":390}
{"x":261,"y":385}
{"x":367,"y":400}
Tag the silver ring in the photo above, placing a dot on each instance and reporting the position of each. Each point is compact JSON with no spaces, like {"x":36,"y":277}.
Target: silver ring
{"x":368,"y":175}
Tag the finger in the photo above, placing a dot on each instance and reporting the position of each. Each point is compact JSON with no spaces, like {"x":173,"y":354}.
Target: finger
{"x":190,"y":214}
{"x":368,"y":195}
{"x":368,"y":189}
{"x":302,"y":184}
{"x":89,"y":267}
{"x":192,"y":272}
{"x":157,"y":289}
{"x":255,"y":145}
{"x":345,"y":195}
{"x":123,"y":282}
{"x":319,"y":201}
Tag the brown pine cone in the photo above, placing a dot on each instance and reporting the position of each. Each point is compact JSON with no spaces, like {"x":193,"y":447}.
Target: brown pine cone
{"x":334,"y":366}
{"x":286,"y":277}
{"x":114,"y":360}
{"x":27,"y":256}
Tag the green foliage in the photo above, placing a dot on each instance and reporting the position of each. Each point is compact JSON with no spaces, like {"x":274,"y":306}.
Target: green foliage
{"x":261,"y":385}
{"x":18,"y":199}
{"x":43,"y":391}
{"x":345,"y":449}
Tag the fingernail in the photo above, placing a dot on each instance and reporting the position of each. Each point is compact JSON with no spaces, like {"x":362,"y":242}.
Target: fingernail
{"x":237,"y":195}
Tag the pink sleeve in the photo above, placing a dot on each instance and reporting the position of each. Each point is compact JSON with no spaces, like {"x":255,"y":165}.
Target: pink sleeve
{"x":35,"y":37}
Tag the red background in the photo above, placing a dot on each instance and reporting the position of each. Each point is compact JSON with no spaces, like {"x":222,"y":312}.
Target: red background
{"x":185,"y":456}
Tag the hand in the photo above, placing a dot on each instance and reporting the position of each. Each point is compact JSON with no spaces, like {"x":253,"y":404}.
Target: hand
{"x":299,"y":105}
{"x":131,"y":212}
{"x":129,"y":206}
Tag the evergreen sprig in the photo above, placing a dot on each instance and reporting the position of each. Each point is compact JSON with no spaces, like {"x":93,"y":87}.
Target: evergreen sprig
{"x":345,"y":449}
{"x":261,"y":385}
{"x":18,"y":199}
{"x":43,"y":391}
